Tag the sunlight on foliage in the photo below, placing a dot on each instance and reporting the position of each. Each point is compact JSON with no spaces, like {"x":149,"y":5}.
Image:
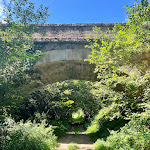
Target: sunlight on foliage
{"x":26,"y":136}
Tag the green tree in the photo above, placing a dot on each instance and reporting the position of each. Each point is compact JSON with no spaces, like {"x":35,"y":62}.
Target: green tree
{"x":17,"y":50}
{"x":128,"y":45}
{"x":122,"y":63}
{"x":122,"y":59}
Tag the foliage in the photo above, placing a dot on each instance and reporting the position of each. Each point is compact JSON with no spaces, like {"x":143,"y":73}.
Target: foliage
{"x":139,"y":12}
{"x":60,"y":127}
{"x":134,"y":135}
{"x":59,"y":100}
{"x":105,"y":114}
{"x":120,"y":98}
{"x":17,"y":51}
{"x":108,"y":118}
{"x":100,"y":145}
{"x":132,"y":92}
{"x":78,"y":116}
{"x":122,"y":59}
{"x":132,"y":96}
{"x":23,"y":11}
{"x":16,"y":37}
{"x":73,"y":146}
{"x":128,"y":45}
{"x":27,"y":135}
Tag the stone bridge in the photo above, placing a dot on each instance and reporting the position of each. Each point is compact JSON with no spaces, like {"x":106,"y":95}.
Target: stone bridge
{"x":65,"y":52}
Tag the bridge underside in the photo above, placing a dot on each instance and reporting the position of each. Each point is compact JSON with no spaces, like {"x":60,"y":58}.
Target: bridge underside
{"x":65,"y":52}
{"x":64,"y":70}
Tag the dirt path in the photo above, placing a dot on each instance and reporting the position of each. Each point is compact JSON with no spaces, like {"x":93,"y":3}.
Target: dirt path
{"x":80,"y":138}
{"x":82,"y":147}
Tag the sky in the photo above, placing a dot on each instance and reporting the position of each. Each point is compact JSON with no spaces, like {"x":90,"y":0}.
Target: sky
{"x":84,"y":11}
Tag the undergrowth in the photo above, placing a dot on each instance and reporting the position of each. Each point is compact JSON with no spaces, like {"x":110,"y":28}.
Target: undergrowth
{"x":26,"y":136}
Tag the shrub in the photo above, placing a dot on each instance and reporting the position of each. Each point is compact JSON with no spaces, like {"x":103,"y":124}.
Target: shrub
{"x":108,"y":118}
{"x":60,"y":127}
{"x":134,"y":135}
{"x":26,"y":136}
{"x":100,"y":145}
{"x":103,"y":116}
{"x":73,"y":146}
{"x":59,"y":100}
{"x":45,"y":102}
{"x":78,"y":116}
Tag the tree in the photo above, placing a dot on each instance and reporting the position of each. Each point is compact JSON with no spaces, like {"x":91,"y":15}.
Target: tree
{"x":128,"y":48}
{"x":128,"y":45}
{"x":17,"y":51}
{"x":122,"y":61}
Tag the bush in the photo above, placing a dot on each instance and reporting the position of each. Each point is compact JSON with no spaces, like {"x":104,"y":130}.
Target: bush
{"x":59,"y":100}
{"x":103,"y":116}
{"x":78,"y":116}
{"x":108,"y":118}
{"x":26,"y":136}
{"x":45,"y":102}
{"x":73,"y":146}
{"x":100,"y":145}
{"x":134,"y":135}
{"x":60,"y":127}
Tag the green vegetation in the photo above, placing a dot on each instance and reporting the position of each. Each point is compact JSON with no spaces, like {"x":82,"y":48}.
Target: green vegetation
{"x":73,"y":146}
{"x":17,"y":50}
{"x":128,"y":45}
{"x":114,"y":110}
{"x":59,"y":100}
{"x":78,"y":116}
{"x":26,"y":136}
{"x":122,"y":64}
{"x":17,"y":56}
{"x":134,"y":135}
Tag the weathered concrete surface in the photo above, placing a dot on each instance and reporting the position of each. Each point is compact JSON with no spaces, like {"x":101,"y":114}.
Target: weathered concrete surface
{"x":64,"y":70}
{"x":70,"y":31}
{"x":64,"y":47}
{"x":65,"y":54}
{"x":67,"y":41}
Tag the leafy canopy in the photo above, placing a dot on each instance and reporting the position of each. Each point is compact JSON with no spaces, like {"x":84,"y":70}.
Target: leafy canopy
{"x":124,"y":45}
{"x":17,"y":50}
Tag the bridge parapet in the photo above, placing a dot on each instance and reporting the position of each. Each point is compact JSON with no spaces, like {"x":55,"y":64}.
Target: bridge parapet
{"x":56,"y":32}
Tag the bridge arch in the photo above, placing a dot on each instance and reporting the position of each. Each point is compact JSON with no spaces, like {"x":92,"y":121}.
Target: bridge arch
{"x":64,"y":48}
{"x":64,"y":70}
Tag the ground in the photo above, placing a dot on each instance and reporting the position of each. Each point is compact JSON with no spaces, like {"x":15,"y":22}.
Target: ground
{"x":80,"y":138}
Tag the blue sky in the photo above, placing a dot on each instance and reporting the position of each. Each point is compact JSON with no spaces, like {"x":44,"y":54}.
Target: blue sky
{"x":83,"y":11}
{"x":86,"y":11}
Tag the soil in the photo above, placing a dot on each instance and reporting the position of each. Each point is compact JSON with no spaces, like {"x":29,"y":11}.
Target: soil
{"x":80,"y":138}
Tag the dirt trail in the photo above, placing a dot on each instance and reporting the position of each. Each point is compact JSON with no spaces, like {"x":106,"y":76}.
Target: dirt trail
{"x":80,"y":138}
